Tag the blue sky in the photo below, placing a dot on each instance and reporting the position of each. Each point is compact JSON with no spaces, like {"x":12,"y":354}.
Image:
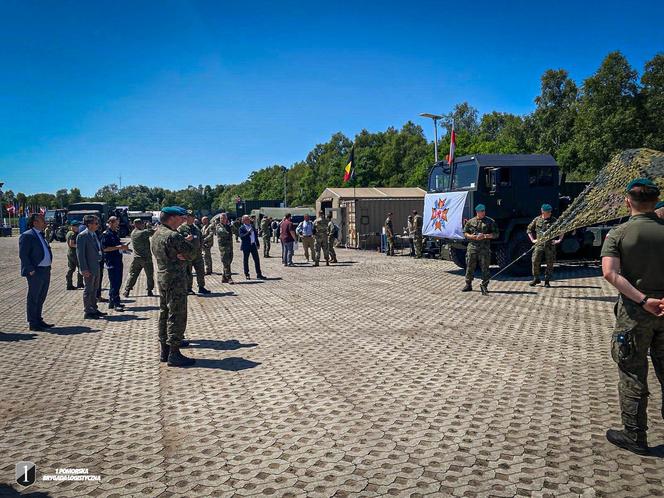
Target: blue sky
{"x":172,"y":93}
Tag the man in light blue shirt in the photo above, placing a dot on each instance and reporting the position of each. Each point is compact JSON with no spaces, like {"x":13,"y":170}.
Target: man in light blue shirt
{"x":306,"y":232}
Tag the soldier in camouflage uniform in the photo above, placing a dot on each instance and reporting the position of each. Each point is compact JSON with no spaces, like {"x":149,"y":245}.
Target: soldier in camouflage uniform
{"x":172,"y":251}
{"x":266,"y":234}
{"x":140,"y":242}
{"x":546,"y":250}
{"x":479,"y":231}
{"x":208,"y":241}
{"x":331,"y":238}
{"x":320,"y":234}
{"x":632,"y":262}
{"x":72,"y":260}
{"x":196,"y":260}
{"x":417,"y":224}
{"x":48,"y":233}
{"x":225,"y":243}
{"x":389,"y":235}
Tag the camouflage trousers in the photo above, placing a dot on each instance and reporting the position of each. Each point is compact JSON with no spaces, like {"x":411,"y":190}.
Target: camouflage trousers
{"x":207,"y":259}
{"x":642,"y":332}
{"x":321,"y":244}
{"x":172,"y":309}
{"x":198,"y":265}
{"x":138,"y":264}
{"x":390,"y":246}
{"x":418,"y":245}
{"x":548,"y":253}
{"x":226,"y":260}
{"x":330,"y":248}
{"x":72,"y":265}
{"x":475,"y":256}
{"x":266,"y":246}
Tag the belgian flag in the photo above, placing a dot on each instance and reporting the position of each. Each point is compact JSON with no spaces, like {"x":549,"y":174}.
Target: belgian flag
{"x":349,"y":170}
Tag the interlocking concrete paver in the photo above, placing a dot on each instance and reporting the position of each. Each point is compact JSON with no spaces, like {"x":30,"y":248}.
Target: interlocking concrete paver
{"x":371,"y":378}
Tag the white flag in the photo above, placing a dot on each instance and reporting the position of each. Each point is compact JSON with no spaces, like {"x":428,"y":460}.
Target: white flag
{"x":443,"y":215}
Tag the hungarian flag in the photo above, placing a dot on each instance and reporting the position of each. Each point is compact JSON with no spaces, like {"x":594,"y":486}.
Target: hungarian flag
{"x":349,"y":170}
{"x":450,"y":156}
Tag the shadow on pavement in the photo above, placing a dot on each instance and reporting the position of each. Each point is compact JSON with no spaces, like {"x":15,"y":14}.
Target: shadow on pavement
{"x":75,"y":330}
{"x":575,"y":286}
{"x":13,"y":337}
{"x":606,"y":299}
{"x":122,"y":318}
{"x":230,"y":345}
{"x":657,"y":451}
{"x":492,"y":291}
{"x":216,"y":294}
{"x":248,"y":282}
{"x":143,"y":308}
{"x":9,"y":491}
{"x":228,"y":364}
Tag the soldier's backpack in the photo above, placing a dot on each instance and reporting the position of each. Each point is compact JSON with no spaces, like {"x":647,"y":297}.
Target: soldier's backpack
{"x":335,"y":231}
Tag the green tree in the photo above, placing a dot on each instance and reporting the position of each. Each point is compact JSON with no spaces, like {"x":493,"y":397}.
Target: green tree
{"x":652,"y":83}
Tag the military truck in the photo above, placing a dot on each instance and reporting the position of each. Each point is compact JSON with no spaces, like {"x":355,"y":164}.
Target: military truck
{"x":512,"y":187}
{"x":57,"y":220}
{"x":103,"y":211}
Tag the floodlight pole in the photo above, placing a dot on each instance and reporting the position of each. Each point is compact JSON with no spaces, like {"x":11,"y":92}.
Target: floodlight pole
{"x":435,"y":118}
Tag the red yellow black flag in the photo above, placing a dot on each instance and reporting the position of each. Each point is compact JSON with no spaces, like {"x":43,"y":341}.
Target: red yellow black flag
{"x":349,"y":170}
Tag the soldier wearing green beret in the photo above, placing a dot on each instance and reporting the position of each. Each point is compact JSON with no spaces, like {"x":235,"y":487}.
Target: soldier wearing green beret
{"x":543,"y":250}
{"x":140,"y":241}
{"x":632,"y":262}
{"x":196,"y":261}
{"x":171,"y":250}
{"x":479,"y":231}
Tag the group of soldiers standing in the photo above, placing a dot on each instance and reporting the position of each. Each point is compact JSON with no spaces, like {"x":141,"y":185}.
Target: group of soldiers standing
{"x":414,"y":232}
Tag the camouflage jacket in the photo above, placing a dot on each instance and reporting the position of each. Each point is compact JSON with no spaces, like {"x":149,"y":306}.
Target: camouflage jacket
{"x":476,"y":226}
{"x":71,"y":251}
{"x":266,"y":231}
{"x":389,"y":228}
{"x":194,"y":244}
{"x":208,"y":235}
{"x":417,"y":224}
{"x":140,"y":242}
{"x":320,"y":228}
{"x":166,"y":245}
{"x":539,"y":225}
{"x":224,"y":236}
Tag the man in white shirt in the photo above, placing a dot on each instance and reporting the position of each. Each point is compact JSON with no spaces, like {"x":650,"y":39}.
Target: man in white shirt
{"x":306,"y":232}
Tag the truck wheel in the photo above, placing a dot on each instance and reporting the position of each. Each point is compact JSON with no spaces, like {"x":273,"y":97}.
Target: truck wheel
{"x":458,"y":257}
{"x":506,"y":253}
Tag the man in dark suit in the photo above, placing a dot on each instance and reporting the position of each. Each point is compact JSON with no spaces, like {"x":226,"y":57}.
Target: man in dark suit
{"x":89,"y":254}
{"x":249,"y":245}
{"x":36,"y":258}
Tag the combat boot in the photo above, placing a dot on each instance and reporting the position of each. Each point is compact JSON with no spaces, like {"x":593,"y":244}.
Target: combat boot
{"x":224,"y":280}
{"x":535,"y":281}
{"x":177,"y":359}
{"x":184,"y":343}
{"x":70,"y":287}
{"x":327,"y":263}
{"x":547,"y":283}
{"x":203,"y":290}
{"x":627,"y":440}
{"x":191,"y":292}
{"x":484,"y":289}
{"x":125,"y":294}
{"x":467,"y":288}
{"x":230,"y":281}
{"x":316,"y":263}
{"x":334,"y":260}
{"x":150,"y":293}
{"x":165,"y":349}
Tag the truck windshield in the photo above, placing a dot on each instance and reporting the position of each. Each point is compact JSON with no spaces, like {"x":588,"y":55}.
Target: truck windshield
{"x":49,"y":215}
{"x":439,"y":178}
{"x":465,"y":175}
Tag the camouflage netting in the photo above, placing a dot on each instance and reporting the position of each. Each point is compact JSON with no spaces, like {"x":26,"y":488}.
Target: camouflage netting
{"x":603,"y":199}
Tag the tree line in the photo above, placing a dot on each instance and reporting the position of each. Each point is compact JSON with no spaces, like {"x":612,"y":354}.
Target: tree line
{"x":582,"y":126}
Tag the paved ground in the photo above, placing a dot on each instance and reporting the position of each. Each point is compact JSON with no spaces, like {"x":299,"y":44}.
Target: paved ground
{"x":371,"y":377}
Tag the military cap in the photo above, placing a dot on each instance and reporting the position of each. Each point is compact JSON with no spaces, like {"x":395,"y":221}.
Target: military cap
{"x":643,"y":182}
{"x":176,"y":210}
{"x":480,"y":207}
{"x":547,"y":207}
{"x":660,"y":204}
{"x":190,"y":212}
